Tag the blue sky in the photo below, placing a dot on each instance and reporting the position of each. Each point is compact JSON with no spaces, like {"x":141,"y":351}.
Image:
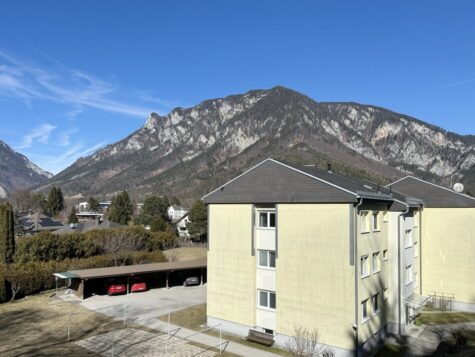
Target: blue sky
{"x":77,"y":75}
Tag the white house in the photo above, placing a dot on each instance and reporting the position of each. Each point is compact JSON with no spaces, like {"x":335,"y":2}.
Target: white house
{"x":176,"y":212}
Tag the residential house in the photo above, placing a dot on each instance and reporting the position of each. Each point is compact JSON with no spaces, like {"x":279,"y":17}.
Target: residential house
{"x":447,"y":242}
{"x":301,"y":247}
{"x":176,"y":212}
{"x":34,"y":222}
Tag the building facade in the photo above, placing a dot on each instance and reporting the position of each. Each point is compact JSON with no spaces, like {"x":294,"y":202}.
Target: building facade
{"x":303,"y":248}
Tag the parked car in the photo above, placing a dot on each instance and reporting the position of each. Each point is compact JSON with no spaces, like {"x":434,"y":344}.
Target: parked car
{"x":192,"y":280}
{"x":115,"y":287}
{"x":137,"y":285}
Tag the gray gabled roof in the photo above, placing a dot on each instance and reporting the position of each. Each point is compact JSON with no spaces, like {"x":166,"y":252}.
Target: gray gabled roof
{"x":433,"y":196}
{"x":272,"y":181}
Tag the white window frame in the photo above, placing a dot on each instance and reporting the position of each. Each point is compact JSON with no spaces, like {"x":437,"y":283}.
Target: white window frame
{"x":376,"y":228}
{"x":365,"y":306}
{"x":376,"y":310}
{"x":385,"y":255}
{"x":376,"y":269}
{"x":268,"y":293}
{"x":364,"y":261}
{"x":408,"y":238}
{"x":364,"y":224}
{"x":268,"y":254}
{"x":409,"y":274}
{"x":268,"y":212}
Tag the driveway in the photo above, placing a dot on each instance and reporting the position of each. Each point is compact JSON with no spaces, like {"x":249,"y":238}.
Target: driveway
{"x":146,"y":305}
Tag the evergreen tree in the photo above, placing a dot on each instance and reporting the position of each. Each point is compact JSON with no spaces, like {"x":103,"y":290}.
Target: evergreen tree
{"x":198,"y":225}
{"x":72,"y":218}
{"x":55,"y":201}
{"x":121,"y":209}
{"x":158,"y":225}
{"x":93,"y":204}
{"x":7,"y":234}
{"x":153,"y":207}
{"x":7,"y":245}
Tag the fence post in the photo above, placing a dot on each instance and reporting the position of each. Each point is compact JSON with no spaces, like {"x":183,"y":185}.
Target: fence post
{"x":69,"y":323}
{"x":220,"y":343}
{"x":113,"y":340}
{"x":125,"y":309}
{"x":168,"y":326}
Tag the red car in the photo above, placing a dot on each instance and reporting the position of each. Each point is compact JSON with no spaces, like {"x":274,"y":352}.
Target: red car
{"x":138,"y":285}
{"x":116,"y":287}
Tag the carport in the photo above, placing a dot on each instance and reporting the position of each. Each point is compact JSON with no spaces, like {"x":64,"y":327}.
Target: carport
{"x":88,"y":282}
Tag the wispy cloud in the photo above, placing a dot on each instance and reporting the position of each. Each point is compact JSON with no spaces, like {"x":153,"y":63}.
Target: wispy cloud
{"x":458,"y":83}
{"x":40,"y":134}
{"x":28,"y":81}
{"x":64,"y":137}
{"x":56,"y":163}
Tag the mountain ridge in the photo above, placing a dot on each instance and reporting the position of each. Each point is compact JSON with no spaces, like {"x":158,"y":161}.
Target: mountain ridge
{"x":17,"y":172}
{"x":189,"y":150}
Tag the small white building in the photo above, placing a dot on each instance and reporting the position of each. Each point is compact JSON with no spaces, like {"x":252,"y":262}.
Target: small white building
{"x":181,"y":227}
{"x":176,"y":212}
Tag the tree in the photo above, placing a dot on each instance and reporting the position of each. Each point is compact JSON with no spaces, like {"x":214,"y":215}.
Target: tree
{"x":121,"y":243}
{"x":7,"y":234}
{"x":121,"y":209}
{"x":93,"y":204}
{"x":72,"y":218}
{"x":198,"y":215}
{"x":158,"y":225}
{"x":174,"y":201}
{"x":153,"y":207}
{"x":24,"y":200}
{"x":55,"y":201}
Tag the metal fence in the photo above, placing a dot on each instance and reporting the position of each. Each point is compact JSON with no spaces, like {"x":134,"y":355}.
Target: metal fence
{"x":442,"y":301}
{"x":114,"y":331}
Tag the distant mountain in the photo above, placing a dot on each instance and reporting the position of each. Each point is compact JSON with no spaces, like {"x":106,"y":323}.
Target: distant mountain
{"x":189,"y":151}
{"x":17,"y":172}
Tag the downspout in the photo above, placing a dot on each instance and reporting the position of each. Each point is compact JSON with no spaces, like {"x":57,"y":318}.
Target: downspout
{"x":420,"y":250}
{"x":355,"y":327}
{"x":399,"y":266}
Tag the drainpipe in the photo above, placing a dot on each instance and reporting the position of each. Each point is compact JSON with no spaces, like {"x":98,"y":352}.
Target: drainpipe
{"x":399,"y":266}
{"x":356,"y":260}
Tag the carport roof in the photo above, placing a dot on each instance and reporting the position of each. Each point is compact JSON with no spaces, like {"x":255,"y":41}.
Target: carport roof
{"x":135,"y":269}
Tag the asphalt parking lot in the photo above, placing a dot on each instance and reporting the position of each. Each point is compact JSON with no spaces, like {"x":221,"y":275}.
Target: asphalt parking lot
{"x":148,"y":304}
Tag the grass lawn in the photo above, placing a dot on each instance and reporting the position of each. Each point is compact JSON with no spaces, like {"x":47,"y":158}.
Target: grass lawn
{"x":37,"y":326}
{"x":194,"y":318}
{"x":444,"y":317}
{"x":185,"y":253}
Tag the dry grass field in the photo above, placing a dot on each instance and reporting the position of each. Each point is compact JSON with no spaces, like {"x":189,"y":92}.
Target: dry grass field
{"x":185,"y":253}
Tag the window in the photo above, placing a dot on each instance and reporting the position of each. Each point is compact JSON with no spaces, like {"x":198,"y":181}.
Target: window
{"x":364,"y":266}
{"x":385,"y":254}
{"x":385,"y":216}
{"x":267,"y":299}
{"x":386,"y":293}
{"x":364,"y":222}
{"x":266,"y":259}
{"x":266,"y":219}
{"x":375,"y":303}
{"x":416,"y":252}
{"x":364,"y":310}
{"x":408,"y":238}
{"x":375,"y":220}
{"x":376,"y":263}
{"x":409,"y":274}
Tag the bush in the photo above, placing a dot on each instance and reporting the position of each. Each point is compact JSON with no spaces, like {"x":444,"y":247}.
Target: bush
{"x":122,"y":240}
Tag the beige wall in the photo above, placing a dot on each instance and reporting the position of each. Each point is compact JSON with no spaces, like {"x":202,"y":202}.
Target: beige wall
{"x":314,"y":279}
{"x":231,"y":267}
{"x":448,"y":252}
{"x":369,"y":243}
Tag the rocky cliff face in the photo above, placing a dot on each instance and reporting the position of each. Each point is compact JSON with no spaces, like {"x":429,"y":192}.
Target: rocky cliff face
{"x":189,"y":151}
{"x":17,"y":172}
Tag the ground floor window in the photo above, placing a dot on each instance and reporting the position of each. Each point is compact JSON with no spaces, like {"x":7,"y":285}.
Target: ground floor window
{"x":364,"y":310}
{"x":375,"y":303}
{"x":267,"y":299}
{"x":409,"y":274}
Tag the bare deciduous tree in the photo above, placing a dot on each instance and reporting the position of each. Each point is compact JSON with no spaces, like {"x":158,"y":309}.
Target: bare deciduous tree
{"x":120,"y":244}
{"x":305,"y":343}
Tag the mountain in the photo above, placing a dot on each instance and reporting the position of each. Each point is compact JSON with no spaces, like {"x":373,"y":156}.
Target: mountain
{"x":189,"y":151}
{"x":17,"y":172}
